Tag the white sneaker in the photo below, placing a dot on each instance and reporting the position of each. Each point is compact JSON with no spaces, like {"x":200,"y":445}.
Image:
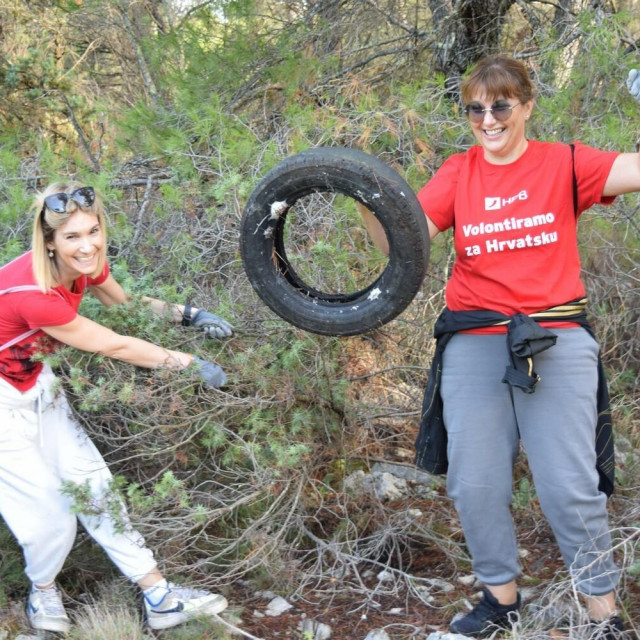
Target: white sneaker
{"x":46,"y":611}
{"x":181,"y":604}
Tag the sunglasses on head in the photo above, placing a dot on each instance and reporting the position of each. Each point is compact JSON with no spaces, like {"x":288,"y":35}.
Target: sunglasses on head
{"x":84,"y":196}
{"x":500,"y":110}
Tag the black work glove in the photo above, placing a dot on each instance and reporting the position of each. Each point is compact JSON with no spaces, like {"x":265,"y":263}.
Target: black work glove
{"x":212,"y":325}
{"x":211,"y":373}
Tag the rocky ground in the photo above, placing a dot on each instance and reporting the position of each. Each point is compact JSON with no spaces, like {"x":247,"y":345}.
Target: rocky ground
{"x":377,"y":606}
{"x":417,"y":596}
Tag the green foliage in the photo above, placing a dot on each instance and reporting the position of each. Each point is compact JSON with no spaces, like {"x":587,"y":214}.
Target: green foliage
{"x":524,"y":495}
{"x":12,"y":578}
{"x":288,"y":427}
{"x":169,"y":491}
{"x":583,"y":98}
{"x":235,"y":87}
{"x":170,"y":488}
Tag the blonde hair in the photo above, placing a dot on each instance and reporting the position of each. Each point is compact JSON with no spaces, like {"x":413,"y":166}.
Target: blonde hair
{"x":498,"y":76}
{"x":45,"y":224}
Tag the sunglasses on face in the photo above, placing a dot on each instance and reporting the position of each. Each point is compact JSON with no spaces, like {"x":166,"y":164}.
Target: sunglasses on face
{"x":501,"y":111}
{"x":84,"y":196}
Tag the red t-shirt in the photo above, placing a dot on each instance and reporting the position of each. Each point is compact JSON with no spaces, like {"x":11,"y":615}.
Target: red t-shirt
{"x":22,"y":311}
{"x":514,"y":225}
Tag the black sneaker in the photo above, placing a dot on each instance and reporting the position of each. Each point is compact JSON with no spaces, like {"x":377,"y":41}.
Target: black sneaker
{"x":488,"y":614}
{"x":609,"y":629}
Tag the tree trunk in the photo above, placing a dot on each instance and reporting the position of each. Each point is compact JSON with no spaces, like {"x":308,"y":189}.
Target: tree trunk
{"x":468,"y":30}
{"x":327,"y":13}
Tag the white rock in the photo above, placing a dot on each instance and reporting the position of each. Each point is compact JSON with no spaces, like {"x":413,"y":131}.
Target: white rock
{"x":357,"y":482}
{"x":378,"y":634}
{"x":424,"y":594}
{"x":318,"y":630}
{"x":445,"y":635}
{"x":388,"y":487}
{"x":440,"y":584}
{"x":384,"y":485}
{"x":277,"y":607}
{"x":385,"y":576}
{"x":409,"y":473}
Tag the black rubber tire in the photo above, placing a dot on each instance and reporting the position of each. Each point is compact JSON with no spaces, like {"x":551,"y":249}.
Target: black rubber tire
{"x":366,"y":179}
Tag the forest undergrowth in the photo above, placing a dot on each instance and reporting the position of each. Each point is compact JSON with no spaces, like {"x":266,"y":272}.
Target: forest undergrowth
{"x":268,"y":486}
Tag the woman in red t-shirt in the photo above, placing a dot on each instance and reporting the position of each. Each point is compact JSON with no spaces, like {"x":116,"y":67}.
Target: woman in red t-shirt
{"x":41,"y":446}
{"x":513,"y":204}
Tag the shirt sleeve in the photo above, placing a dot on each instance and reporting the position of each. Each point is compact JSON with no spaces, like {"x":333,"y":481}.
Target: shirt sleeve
{"x":438,"y":196}
{"x":592,"y":171}
{"x":45,"y":310}
{"x":55,"y":308}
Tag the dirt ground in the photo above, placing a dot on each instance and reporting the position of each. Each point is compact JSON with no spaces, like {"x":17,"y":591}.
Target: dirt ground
{"x":357,"y":604}
{"x":403,"y":616}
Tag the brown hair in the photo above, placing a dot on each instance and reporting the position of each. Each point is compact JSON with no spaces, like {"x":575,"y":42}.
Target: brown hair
{"x":498,"y":76}
{"x":45,"y":224}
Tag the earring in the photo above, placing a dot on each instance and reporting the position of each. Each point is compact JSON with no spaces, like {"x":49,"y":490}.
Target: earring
{"x":50,"y":253}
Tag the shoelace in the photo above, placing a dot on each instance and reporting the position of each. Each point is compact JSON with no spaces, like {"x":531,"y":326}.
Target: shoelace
{"x":50,"y":599}
{"x":176,"y":593}
{"x":484,"y":607}
{"x":187,"y":592}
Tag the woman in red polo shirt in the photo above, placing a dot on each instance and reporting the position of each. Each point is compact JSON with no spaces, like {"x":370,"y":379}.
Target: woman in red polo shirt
{"x":40,"y":444}
{"x":519,"y":366}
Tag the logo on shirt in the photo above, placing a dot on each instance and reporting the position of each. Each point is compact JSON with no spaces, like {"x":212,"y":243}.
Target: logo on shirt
{"x":493,"y":204}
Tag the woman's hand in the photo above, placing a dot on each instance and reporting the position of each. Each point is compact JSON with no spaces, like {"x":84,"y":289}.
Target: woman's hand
{"x":211,"y":373}
{"x":633,"y":83}
{"x":212,"y":325}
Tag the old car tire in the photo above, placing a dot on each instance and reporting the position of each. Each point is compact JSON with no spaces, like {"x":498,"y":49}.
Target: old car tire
{"x":366,"y":179}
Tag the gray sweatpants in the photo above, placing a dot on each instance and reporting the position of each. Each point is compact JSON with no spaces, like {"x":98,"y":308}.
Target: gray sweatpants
{"x":485,"y":419}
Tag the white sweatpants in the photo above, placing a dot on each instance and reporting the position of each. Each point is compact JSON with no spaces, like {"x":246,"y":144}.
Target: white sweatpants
{"x":40,"y":446}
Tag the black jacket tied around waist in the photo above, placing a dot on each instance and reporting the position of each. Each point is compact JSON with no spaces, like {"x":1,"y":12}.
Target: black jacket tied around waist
{"x":525,"y":338}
